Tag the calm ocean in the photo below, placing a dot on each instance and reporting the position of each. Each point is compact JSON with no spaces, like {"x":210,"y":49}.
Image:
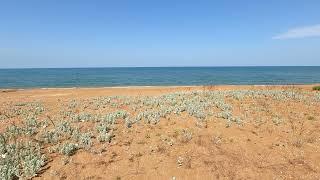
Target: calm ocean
{"x":156,"y":76}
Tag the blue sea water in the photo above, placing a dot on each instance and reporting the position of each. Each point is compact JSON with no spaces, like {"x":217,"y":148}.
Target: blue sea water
{"x":157,"y":76}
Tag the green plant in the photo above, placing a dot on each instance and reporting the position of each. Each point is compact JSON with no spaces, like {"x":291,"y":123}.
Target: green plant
{"x":31,"y":125}
{"x":64,"y":127}
{"x":20,"y":159}
{"x":68,"y":148}
{"x":85,"y":140}
{"x":50,"y":137}
{"x":316,"y":88}
{"x":105,"y":134}
{"x":128,"y":122}
{"x":82,"y":117}
{"x":225,"y":115}
{"x":103,"y":127}
{"x":105,"y":137}
{"x":13,"y":131}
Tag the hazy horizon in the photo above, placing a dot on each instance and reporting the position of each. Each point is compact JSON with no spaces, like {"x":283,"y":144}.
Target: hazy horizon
{"x":80,"y":34}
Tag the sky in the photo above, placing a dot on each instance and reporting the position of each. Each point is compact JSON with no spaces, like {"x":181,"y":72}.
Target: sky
{"x":144,"y":33}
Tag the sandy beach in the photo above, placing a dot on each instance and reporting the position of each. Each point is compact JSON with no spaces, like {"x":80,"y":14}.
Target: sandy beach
{"x":148,"y":90}
{"x":194,"y":132}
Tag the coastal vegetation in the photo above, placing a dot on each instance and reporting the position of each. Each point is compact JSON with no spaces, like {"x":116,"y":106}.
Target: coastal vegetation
{"x":36,"y":135}
{"x":316,"y":88}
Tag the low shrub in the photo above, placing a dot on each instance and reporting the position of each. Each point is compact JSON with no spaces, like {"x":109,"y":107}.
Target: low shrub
{"x":68,"y":149}
{"x":316,"y":88}
{"x":20,"y":160}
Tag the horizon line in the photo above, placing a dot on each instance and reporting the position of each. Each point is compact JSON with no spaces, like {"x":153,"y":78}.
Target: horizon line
{"x":93,"y":67}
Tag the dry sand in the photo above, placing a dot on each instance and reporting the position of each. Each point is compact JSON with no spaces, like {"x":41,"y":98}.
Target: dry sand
{"x":257,"y":149}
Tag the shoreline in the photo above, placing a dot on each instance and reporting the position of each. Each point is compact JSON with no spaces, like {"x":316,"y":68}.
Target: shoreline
{"x":156,"y":87}
{"x":7,"y":94}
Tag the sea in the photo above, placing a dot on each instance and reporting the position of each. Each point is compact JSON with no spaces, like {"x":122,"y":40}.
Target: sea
{"x":157,"y":76}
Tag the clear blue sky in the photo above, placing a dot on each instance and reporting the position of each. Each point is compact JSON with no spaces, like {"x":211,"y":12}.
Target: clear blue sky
{"x":105,"y":33}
